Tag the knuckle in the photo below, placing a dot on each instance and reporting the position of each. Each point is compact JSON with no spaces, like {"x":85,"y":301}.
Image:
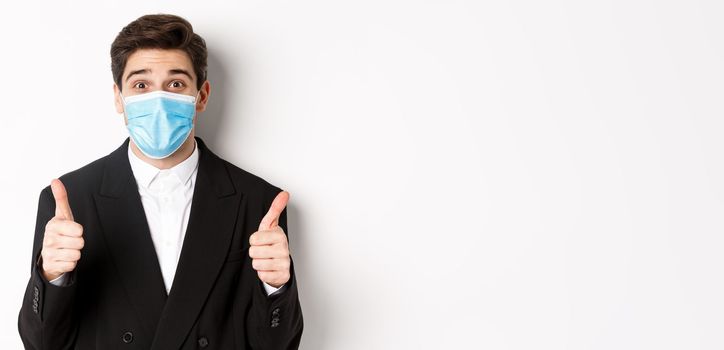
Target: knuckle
{"x":45,"y":255}
{"x":49,"y":240}
{"x":72,"y":228}
{"x":253,"y":239}
{"x":62,"y":255}
{"x":62,"y":228}
{"x":60,"y":268}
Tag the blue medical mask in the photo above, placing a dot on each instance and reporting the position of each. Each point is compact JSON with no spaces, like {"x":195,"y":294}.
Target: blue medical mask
{"x":159,"y":121}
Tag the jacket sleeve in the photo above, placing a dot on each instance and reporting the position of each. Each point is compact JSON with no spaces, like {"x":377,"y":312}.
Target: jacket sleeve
{"x":46,"y":319}
{"x":275,"y":321}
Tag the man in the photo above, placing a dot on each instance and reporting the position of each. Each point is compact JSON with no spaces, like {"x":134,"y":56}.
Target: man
{"x":161,"y":244}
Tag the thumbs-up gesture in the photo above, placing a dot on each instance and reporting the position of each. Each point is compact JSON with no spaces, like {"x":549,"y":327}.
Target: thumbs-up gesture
{"x":63,"y":238}
{"x":269,"y":248}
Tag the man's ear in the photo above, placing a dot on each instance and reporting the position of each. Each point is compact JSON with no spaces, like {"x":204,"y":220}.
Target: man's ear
{"x":117,"y":98}
{"x":204,"y":93}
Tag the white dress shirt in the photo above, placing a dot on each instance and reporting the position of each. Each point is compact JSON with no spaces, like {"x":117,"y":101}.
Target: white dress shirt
{"x":166,"y":196}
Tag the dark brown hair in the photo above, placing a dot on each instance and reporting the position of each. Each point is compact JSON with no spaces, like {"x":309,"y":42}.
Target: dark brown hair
{"x":159,"y":31}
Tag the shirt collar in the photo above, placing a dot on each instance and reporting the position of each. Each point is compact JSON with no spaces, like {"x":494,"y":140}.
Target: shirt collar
{"x":145,"y":173}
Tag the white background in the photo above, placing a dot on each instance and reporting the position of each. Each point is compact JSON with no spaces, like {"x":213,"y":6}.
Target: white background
{"x":463,"y":174}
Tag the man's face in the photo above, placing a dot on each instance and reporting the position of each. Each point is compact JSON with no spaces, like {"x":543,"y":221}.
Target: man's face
{"x":157,"y":69}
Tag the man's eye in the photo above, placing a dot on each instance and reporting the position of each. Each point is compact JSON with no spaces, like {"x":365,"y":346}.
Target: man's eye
{"x":140,"y":85}
{"x":177,"y":84}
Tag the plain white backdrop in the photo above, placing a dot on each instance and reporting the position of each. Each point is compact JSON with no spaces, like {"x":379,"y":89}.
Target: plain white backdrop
{"x":463,"y":174}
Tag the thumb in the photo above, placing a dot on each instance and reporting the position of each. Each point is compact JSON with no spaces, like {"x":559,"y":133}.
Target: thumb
{"x":62,"y":207}
{"x":271,"y":219}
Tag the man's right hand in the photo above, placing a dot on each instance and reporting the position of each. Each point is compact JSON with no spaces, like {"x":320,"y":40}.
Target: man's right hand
{"x":63,"y":238}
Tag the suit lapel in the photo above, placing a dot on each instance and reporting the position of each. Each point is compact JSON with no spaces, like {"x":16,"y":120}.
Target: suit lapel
{"x":210,"y":229}
{"x":128,"y":238}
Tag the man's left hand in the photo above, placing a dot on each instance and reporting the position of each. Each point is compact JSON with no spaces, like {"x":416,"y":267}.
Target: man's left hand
{"x":269,"y":248}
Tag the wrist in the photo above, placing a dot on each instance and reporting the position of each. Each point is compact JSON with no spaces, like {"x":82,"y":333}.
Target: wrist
{"x":50,"y":276}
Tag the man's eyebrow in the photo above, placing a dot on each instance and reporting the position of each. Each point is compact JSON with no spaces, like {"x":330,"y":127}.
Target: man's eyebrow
{"x":170,"y":72}
{"x":180,"y":71}
{"x":140,"y":71}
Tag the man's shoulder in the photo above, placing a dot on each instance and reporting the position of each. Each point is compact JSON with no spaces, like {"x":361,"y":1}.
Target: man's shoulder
{"x":85,"y":178}
{"x":253,"y":186}
{"x":250,"y":183}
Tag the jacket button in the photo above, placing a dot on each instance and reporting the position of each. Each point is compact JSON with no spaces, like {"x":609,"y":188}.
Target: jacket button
{"x":275,"y":312}
{"x":127,"y":337}
{"x":203,"y":342}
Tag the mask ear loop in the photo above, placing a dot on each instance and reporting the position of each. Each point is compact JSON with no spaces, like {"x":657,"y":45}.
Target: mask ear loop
{"x":193,"y":125}
{"x":123,"y":101}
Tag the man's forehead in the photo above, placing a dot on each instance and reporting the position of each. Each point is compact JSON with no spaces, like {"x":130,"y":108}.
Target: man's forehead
{"x":158,"y":61}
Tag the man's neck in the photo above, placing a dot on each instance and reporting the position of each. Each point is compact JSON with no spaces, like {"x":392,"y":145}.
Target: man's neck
{"x":185,"y":151}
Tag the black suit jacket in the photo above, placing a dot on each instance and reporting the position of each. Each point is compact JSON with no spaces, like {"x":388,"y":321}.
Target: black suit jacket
{"x":116,"y":298}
